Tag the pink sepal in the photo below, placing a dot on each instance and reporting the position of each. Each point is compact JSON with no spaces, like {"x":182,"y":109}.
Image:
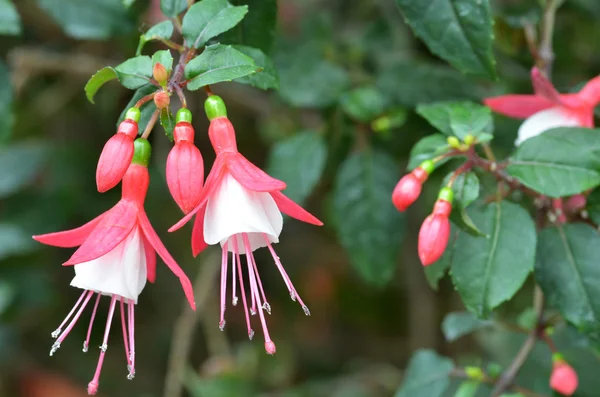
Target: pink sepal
{"x":167,"y":258}
{"x":115,"y":225}
{"x":288,"y":207}
{"x":250,"y":176}
{"x":185,"y":175}
{"x":198,"y":243}
{"x":69,"y":238}
{"x":150,"y":260}
{"x":114,"y":161}
{"x":518,"y":106}
{"x":590,"y":93}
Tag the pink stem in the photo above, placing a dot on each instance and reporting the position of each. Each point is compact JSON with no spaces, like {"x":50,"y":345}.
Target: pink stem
{"x":64,"y":334}
{"x":86,"y":344}
{"x":57,"y":331}
{"x":242,"y":288}
{"x":265,"y":305}
{"x":224,"y":257}
{"x":131,"y":317}
{"x":234,"y":298}
{"x":93,"y":385}
{"x":124,"y":329}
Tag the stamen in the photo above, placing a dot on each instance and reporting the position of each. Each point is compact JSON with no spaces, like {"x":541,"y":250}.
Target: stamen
{"x":124,"y":329}
{"x":93,"y":385}
{"x":58,"y":330}
{"x":63,"y":335}
{"x":242,"y":288}
{"x":86,"y":343}
{"x":131,"y":318}
{"x":234,"y":298}
{"x":265,"y":305}
{"x":224,"y":258}
{"x":288,"y":282}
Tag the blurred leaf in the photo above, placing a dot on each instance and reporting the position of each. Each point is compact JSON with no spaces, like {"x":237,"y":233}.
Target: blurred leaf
{"x":209,"y":18}
{"x":568,"y":272}
{"x":467,"y":388}
{"x":593,"y":206}
{"x":368,"y":224}
{"x":20,"y":164}
{"x":465,"y":188}
{"x":220,"y":386}
{"x":458,"y":324}
{"x":459,"y":31}
{"x":216,"y":64}
{"x":427,"y":375}
{"x":428,"y":148}
{"x":14,"y":241}
{"x":299,"y":161}
{"x":95,"y":82}
{"x":459,"y":119}
{"x":257,"y":29}
{"x":363,"y":103}
{"x":162,"y":30}
{"x":167,"y":121}
{"x":10,"y":22}
{"x":163,"y":57}
{"x":90,"y":19}
{"x":489,"y":271}
{"x":6,"y":103}
{"x":559,"y":162}
{"x":146,"y":111}
{"x":267,"y":77}
{"x":173,"y":8}
{"x":135,"y":72}
{"x":394,"y":118}
{"x":128,"y":3}
{"x":7,"y":292}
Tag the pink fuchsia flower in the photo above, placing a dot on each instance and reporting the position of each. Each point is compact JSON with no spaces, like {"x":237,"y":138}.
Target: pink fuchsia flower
{"x":116,"y":254}
{"x":185,"y":167}
{"x":547,"y":108}
{"x":563,"y":378}
{"x":435,"y":230}
{"x":240,"y":209}
{"x":408,"y":189}
{"x":117,"y":153}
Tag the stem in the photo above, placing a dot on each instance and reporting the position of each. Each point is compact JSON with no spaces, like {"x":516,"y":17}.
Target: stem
{"x":208,"y":90}
{"x":171,"y":44}
{"x":181,"y":95}
{"x":151,"y":124}
{"x":145,"y":99}
{"x":546,"y":54}
{"x":461,"y":374}
{"x":177,"y":24}
{"x":489,"y":153}
{"x":460,"y":170}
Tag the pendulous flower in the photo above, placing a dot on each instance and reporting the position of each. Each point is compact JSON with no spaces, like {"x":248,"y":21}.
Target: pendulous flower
{"x":116,"y":254}
{"x":435,"y":230}
{"x":408,"y":189}
{"x":563,"y":378}
{"x":240,"y":209}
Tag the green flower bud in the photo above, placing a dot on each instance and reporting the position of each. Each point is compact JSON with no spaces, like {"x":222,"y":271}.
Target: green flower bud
{"x":446,"y":194}
{"x":133,"y":114}
{"x":142,"y":152}
{"x":185,"y":115}
{"x":215,"y":107}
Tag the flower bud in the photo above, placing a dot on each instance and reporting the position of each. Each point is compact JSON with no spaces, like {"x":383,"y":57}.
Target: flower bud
{"x":563,"y":378}
{"x":160,"y":74}
{"x":575,"y":204}
{"x":185,"y":168}
{"x":408,"y":189}
{"x":435,"y":231}
{"x":117,"y":153}
{"x":162,"y":100}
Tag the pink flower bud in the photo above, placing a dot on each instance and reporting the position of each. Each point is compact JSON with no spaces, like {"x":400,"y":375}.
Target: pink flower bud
{"x":185,"y":168}
{"x":575,"y":204}
{"x":564,"y":378}
{"x":162,"y":100}
{"x":434,"y":233}
{"x":408,"y":189}
{"x":160,"y":74}
{"x":116,"y":156}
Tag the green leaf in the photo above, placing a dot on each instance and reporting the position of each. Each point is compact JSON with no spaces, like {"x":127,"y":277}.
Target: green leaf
{"x":6,"y":103}
{"x":393,"y":118}
{"x":368,"y":224}
{"x":167,"y":121}
{"x":428,"y":148}
{"x":162,"y":30}
{"x":19,"y":165}
{"x":489,"y":271}
{"x":427,"y":375}
{"x":90,"y":19}
{"x":559,"y":162}
{"x":459,"y":324}
{"x":128,"y":3}
{"x":14,"y":241}
{"x":467,"y":388}
{"x":10,"y":22}
{"x":257,"y":29}
{"x":100,"y":78}
{"x":163,"y":57}
{"x":459,"y":31}
{"x":593,"y":206}
{"x":299,"y":161}
{"x":209,"y":18}
{"x":216,"y":64}
{"x":568,"y":272}
{"x":267,"y":77}
{"x":173,"y":8}
{"x":465,"y":188}
{"x":364,"y":103}
{"x":461,"y":218}
{"x":459,"y":119}
{"x":147,"y":109}
{"x":135,"y":72}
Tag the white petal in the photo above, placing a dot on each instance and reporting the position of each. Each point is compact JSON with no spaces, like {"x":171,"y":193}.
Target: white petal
{"x":545,"y":120}
{"x":233,"y":209}
{"x":120,"y":272}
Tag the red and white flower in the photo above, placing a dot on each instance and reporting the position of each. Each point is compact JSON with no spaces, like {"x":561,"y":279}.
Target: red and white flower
{"x":240,"y":209}
{"x":116,"y":254}
{"x":547,"y":108}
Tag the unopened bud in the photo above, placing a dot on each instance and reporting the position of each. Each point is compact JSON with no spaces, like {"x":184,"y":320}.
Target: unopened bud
{"x":160,"y":74}
{"x":453,"y":142}
{"x":469,"y":140}
{"x":162,"y":100}
{"x":475,"y":373}
{"x":408,"y":189}
{"x":563,"y":378}
{"x":435,"y":230}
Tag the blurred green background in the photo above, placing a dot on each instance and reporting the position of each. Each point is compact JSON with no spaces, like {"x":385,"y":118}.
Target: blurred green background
{"x":342,"y":64}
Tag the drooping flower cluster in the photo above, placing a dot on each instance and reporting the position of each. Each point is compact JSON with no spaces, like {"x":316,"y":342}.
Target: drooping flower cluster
{"x":239,"y":207}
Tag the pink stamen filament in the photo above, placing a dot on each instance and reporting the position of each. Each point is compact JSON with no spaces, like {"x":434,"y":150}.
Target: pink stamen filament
{"x":224,"y":257}
{"x":93,"y":385}
{"x":131,"y":318}
{"x":86,"y":344}
{"x":124,"y":329}
{"x":242,"y":288}
{"x":57,"y":331}
{"x":265,"y":305}
{"x":64,"y":334}
{"x":234,"y":298}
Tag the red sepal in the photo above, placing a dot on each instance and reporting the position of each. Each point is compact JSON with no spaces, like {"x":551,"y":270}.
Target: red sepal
{"x":69,"y":238}
{"x":288,"y":207}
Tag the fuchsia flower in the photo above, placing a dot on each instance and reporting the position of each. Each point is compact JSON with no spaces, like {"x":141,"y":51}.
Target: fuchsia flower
{"x":435,"y":230}
{"x":116,"y":254}
{"x":185,"y":167}
{"x":241,"y":208}
{"x":408,"y":189}
{"x":563,"y":378}
{"x":547,"y":108}
{"x":117,"y":153}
